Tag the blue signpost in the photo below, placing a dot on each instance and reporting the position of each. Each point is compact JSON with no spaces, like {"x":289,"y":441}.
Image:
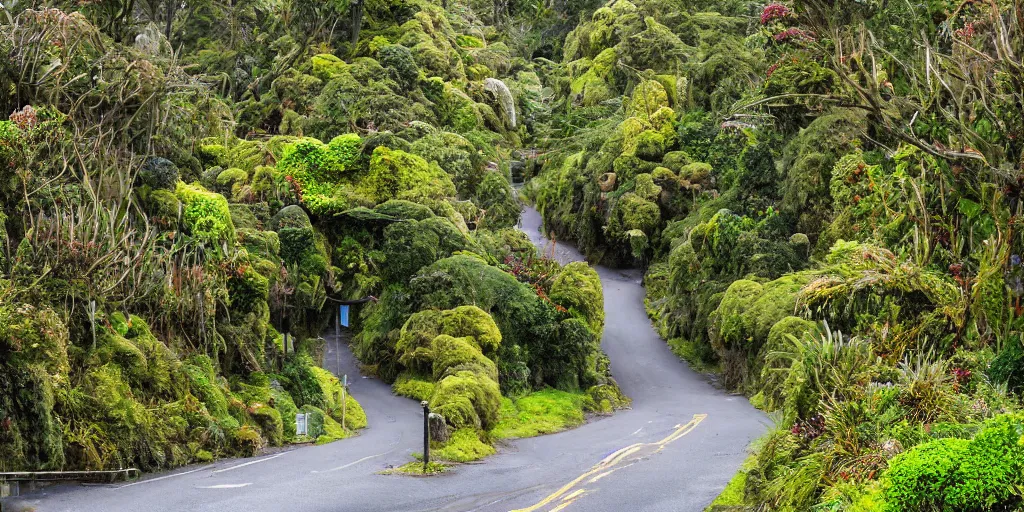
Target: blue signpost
{"x":343,"y":315}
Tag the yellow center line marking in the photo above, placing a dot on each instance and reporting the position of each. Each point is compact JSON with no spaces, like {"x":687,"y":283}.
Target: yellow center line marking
{"x":574,"y":494}
{"x":607,"y":466}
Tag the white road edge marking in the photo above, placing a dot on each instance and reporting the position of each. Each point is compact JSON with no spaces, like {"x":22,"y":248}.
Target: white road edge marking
{"x":257,"y":461}
{"x":350,"y":464}
{"x":637,"y":431}
{"x":226,"y":486}
{"x":183,"y":473}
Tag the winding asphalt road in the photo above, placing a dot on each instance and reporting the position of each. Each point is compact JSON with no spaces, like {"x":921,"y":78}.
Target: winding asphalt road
{"x":674,"y":450}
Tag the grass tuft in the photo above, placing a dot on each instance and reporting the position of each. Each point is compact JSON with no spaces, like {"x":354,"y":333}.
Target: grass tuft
{"x":541,"y":412}
{"x":464,"y":446}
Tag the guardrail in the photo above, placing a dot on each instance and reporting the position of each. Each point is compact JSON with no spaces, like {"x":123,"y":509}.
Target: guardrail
{"x":78,"y":476}
{"x":10,"y":482}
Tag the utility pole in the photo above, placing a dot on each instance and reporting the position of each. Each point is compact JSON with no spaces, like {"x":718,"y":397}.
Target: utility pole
{"x":426,"y":435}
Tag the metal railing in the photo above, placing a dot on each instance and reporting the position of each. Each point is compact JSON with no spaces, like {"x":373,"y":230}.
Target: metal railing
{"x":80,"y":476}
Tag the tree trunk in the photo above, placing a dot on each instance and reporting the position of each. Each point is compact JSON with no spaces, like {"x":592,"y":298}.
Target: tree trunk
{"x":357,"y":20}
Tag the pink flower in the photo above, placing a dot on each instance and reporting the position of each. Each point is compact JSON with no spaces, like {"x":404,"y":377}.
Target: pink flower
{"x":774,"y":11}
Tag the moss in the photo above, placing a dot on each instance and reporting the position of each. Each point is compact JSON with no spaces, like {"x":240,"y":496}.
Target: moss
{"x":632,"y":212}
{"x":650,"y":145}
{"x":247,"y":289}
{"x":406,"y":210}
{"x":400,"y":64}
{"x":577,"y":287}
{"x":541,"y":412}
{"x":528,"y":324}
{"x":788,"y":326}
{"x":285,"y":406}
{"x":292,"y":216}
{"x":415,"y":346}
{"x":203,"y":384}
{"x":331,"y":393}
{"x":478,"y":72}
{"x":606,"y":398}
{"x":596,"y":84}
{"x":749,"y":310}
{"x":648,"y":96}
{"x":495,"y":197}
{"x":113,"y":348}
{"x":468,"y":41}
{"x":452,"y":355}
{"x":326,"y":66}
{"x":265,"y":244}
{"x":456,"y":156}
{"x":416,"y":468}
{"x":413,"y":386}
{"x":675,"y":160}
{"x":467,"y":399}
{"x":399,"y":175}
{"x":808,"y":161}
{"x":270,"y":423}
{"x":644,"y":184}
{"x":322,"y":427}
{"x":231,"y":177}
{"x":474,"y":322}
{"x":206,"y":214}
{"x":463,"y":446}
{"x":411,"y":245}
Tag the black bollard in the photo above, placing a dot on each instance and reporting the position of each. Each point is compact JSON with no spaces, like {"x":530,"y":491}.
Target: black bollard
{"x":426,"y":435}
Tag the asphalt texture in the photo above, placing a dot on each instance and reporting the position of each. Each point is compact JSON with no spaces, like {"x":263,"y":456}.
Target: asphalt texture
{"x":674,"y":450}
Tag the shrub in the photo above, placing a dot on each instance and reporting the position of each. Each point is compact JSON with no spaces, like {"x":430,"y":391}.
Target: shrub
{"x":577,"y":287}
{"x":326,"y":66}
{"x":452,"y":355}
{"x":495,"y":197}
{"x":400,"y":64}
{"x":405,"y":210}
{"x":206,"y":216}
{"x":415,"y":343}
{"x":467,"y":399}
{"x":396,"y":174}
{"x":231,"y":177}
{"x":413,"y":386}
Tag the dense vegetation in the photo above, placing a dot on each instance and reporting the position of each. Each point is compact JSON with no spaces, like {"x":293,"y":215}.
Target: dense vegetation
{"x":189,"y":189}
{"x":826,"y":197}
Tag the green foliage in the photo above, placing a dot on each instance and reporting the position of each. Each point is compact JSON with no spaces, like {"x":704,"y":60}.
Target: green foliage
{"x":400,"y":64}
{"x":326,"y":66}
{"x":577,"y":288}
{"x":159,"y":173}
{"x":396,"y":174}
{"x":467,"y":399}
{"x":959,"y":474}
{"x":453,"y":355}
{"x":414,"y":244}
{"x":542,"y":412}
{"x":413,"y":386}
{"x":527,"y":322}
{"x":206,"y":214}
{"x":463,"y":446}
{"x":808,"y":160}
{"x":494,"y":195}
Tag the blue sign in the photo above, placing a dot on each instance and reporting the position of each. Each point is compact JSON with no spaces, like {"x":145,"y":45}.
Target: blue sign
{"x":343,"y":315}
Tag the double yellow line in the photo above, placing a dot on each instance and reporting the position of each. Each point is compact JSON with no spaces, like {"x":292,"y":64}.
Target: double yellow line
{"x":609,"y":465}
